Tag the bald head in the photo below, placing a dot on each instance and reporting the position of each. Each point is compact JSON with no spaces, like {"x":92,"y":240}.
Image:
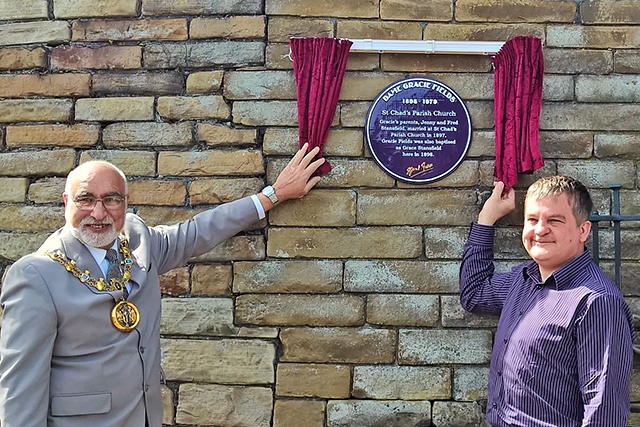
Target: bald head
{"x":90,"y":168}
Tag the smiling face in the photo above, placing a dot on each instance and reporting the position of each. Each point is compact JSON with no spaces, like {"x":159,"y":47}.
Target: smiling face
{"x":98,"y":227}
{"x":552,"y":235}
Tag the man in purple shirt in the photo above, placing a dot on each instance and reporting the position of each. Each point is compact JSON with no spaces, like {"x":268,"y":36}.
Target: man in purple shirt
{"x":563,"y":351}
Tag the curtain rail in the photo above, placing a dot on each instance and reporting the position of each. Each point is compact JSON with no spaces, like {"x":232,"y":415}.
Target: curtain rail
{"x":426,"y":46}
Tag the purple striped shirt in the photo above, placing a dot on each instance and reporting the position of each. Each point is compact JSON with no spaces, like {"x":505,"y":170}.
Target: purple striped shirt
{"x":563,"y":354}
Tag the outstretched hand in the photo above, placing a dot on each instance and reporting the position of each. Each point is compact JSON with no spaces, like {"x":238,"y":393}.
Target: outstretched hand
{"x":295,"y":180}
{"x":497,"y":205}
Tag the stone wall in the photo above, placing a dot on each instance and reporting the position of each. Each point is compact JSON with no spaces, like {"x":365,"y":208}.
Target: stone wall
{"x":339,"y":309}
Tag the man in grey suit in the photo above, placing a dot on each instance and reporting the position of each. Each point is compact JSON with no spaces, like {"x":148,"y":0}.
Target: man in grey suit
{"x":80,"y":340}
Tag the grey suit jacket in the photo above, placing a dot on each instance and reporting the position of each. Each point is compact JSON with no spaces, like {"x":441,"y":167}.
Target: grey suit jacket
{"x":62,"y":362}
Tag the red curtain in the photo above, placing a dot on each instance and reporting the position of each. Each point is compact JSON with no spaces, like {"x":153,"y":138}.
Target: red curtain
{"x":519,"y":69}
{"x":318,"y":67}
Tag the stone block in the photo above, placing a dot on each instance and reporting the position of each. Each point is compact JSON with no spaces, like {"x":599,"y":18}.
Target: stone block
{"x":238,"y":248}
{"x":361,"y":242}
{"x":154,"y":83}
{"x":281,"y":28}
{"x":313,"y":380}
{"x":35,"y":110}
{"x":299,"y":310}
{"x":319,"y":208}
{"x":224,"y":361}
{"x":76,"y":135}
{"x":470,"y":383}
{"x":217,"y":135}
{"x":298,"y":413}
{"x":102,"y":58}
{"x":28,"y":9}
{"x":458,"y":414}
{"x":202,"y":7}
{"x":175,"y":282}
{"x":148,"y":134}
{"x":229,"y":27}
{"x":37,"y":163}
{"x":208,"y":280}
{"x":403,"y":310}
{"x":157,"y":193}
{"x":407,"y":10}
{"x":204,"y":81}
{"x":65,"y":9}
{"x":339,"y":9}
{"x":373,"y":29}
{"x":400,"y":276}
{"x":224,"y":406}
{"x":20,"y":58}
{"x":438,"y":346}
{"x":299,"y":276}
{"x":139,"y":108}
{"x":265,"y":113}
{"x":203,"y":54}
{"x":193,"y":107}
{"x":338,"y":345}
{"x":259,"y":85}
{"x":210,"y":163}
{"x":56,"y":85}
{"x":433,"y":207}
{"x":33,"y":32}
{"x":350,"y":413}
{"x":522,"y":11}
{"x":47,"y":190}
{"x":130,"y":30}
{"x":402,"y":382}
{"x":222,"y":190}
{"x":132,"y":163}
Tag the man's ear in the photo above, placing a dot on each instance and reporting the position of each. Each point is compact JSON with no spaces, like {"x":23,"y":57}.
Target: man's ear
{"x":65,"y":199}
{"x":585,"y":229}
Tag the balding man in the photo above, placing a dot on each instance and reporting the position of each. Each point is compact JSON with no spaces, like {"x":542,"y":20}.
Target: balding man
{"x":80,"y":337}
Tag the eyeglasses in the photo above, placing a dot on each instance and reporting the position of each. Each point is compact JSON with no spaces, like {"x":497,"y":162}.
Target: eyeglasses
{"x":87,"y":203}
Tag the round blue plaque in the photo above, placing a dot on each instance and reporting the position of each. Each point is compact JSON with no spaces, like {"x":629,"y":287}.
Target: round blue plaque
{"x":418,"y":130}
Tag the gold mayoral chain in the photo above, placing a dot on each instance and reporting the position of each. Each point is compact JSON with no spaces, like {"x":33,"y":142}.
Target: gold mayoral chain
{"x":124,"y":315}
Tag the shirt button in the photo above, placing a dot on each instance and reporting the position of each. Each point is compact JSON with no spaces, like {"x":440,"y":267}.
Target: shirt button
{"x":505,"y":340}
{"x":495,"y":405}
{"x":141,"y":350}
{"x":499,"y":373}
{"x":520,"y":314}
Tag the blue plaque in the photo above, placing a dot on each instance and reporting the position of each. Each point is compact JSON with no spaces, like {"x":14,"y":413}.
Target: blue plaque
{"x":418,"y":130}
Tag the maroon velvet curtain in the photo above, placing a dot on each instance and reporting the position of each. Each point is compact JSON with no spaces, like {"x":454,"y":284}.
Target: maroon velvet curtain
{"x":519,"y":69}
{"x":318,"y":67}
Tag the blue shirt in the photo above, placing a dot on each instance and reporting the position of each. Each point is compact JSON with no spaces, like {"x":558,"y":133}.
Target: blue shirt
{"x":563,"y":349}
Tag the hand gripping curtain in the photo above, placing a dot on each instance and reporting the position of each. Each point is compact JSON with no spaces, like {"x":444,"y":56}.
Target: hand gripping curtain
{"x":318,"y":67}
{"x":519,"y":69}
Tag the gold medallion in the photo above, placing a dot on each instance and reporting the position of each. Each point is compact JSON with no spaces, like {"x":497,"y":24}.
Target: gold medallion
{"x":125,"y":316}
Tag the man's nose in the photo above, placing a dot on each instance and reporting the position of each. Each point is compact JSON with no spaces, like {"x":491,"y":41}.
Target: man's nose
{"x":99,"y":211}
{"x":541,"y":227}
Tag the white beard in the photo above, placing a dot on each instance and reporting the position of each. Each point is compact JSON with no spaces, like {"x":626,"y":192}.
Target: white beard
{"x":96,"y":240}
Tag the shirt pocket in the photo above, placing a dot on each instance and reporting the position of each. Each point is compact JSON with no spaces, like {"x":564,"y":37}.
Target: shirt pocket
{"x":81,"y":404}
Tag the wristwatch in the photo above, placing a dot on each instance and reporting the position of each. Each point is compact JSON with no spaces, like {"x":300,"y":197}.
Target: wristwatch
{"x":270,"y":192}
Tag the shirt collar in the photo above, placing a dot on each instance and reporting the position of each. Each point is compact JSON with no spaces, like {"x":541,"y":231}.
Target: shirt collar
{"x":563,"y":277}
{"x":99,"y":253}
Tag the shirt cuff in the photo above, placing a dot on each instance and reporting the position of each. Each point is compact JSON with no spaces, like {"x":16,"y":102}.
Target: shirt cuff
{"x":258,"y":205}
{"x":481,"y":234}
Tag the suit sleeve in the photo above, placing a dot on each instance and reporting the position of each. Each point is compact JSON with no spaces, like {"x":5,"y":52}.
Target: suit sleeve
{"x":26,"y":344}
{"x":174,"y":245}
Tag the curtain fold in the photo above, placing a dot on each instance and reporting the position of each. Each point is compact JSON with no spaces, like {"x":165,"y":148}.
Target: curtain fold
{"x":318,"y":67}
{"x":519,"y":69}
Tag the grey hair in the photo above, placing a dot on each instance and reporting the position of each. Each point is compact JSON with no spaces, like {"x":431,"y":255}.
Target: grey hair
{"x":555,"y":185}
